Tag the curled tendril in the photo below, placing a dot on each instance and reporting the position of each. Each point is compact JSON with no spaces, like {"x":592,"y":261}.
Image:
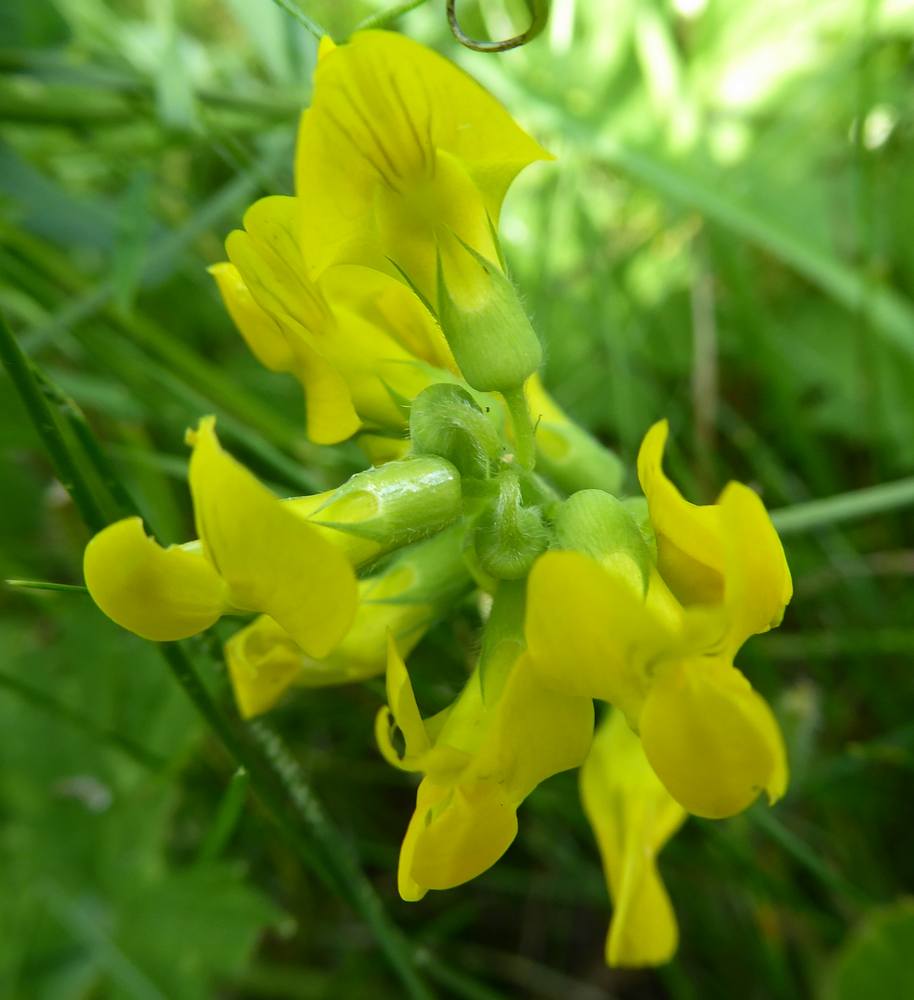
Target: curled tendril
{"x":539,"y":13}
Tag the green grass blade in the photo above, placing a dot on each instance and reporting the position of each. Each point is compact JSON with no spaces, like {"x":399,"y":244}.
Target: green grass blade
{"x":873,"y":500}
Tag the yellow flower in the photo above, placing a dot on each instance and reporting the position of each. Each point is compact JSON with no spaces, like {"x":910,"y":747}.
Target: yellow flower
{"x":403,"y":158}
{"x":632,"y":816}
{"x":480,"y":758}
{"x":358,"y":341}
{"x":593,"y":630}
{"x":254,"y":554}
{"x":402,"y":600}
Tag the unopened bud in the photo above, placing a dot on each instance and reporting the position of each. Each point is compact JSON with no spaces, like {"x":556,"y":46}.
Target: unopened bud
{"x":487,"y":329}
{"x":446,"y":421}
{"x":508,"y":535}
{"x":383,"y":509}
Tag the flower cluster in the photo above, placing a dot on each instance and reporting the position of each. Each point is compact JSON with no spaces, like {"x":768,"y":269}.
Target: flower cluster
{"x":382,"y":288}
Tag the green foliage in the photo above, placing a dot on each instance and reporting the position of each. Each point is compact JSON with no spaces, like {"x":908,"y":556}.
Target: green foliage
{"x":877,"y":959}
{"x":724,"y":240}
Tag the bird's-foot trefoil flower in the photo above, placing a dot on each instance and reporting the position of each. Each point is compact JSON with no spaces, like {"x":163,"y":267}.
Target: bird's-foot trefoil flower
{"x":601,"y":627}
{"x":632,"y":816}
{"x":359,"y":341}
{"x":403,"y":160}
{"x":252,"y":555}
{"x":402,"y":600}
{"x":292,"y":560}
{"x":480,"y":758}
{"x":429,"y":156}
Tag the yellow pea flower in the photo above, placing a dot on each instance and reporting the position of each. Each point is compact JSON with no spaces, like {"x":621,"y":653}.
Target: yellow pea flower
{"x":480,"y":758}
{"x":254,"y":554}
{"x":591,"y":629}
{"x":695,"y":544}
{"x":358,"y":340}
{"x":403,"y":600}
{"x":632,"y":816}
{"x":404,"y":158}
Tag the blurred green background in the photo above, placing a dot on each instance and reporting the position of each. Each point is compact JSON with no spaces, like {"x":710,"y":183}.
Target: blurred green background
{"x":725,"y":239}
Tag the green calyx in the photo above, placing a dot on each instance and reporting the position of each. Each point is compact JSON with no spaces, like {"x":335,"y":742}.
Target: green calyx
{"x":445,"y":420}
{"x":508,"y":534}
{"x":605,"y":528}
{"x":396,"y":503}
{"x":492,"y":340}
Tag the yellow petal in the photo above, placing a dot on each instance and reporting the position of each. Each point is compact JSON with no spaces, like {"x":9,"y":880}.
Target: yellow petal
{"x":260,"y":332}
{"x":273,"y":561}
{"x":590,"y":633}
{"x":466,"y":831}
{"x":427,"y":796}
{"x":159,"y":593}
{"x":331,"y":413}
{"x":632,"y":816}
{"x":758,"y":585}
{"x":269,"y":258}
{"x":403,"y":713}
{"x":270,"y":265}
{"x":426,"y":104}
{"x":534,"y":733}
{"x":712,"y":740}
{"x":263,"y":663}
{"x":689,"y":543}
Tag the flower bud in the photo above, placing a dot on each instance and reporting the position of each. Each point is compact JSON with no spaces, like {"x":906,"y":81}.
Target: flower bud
{"x":389,"y":506}
{"x":508,"y":535}
{"x":487,"y":329}
{"x":445,"y":420}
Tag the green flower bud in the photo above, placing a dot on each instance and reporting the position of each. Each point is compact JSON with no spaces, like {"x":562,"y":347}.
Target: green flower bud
{"x":392,"y":505}
{"x":601,"y":526}
{"x":445,"y":420}
{"x":509,"y":536}
{"x":487,"y":329}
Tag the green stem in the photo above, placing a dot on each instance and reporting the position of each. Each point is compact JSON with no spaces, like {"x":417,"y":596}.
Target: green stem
{"x":851,"y":506}
{"x":308,"y":23}
{"x":384,"y":17}
{"x":522,"y":425}
{"x":43,"y":418}
{"x":73,"y":588}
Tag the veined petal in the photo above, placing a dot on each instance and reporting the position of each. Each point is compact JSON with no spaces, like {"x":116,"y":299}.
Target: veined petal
{"x":159,"y":593}
{"x":632,"y":816}
{"x":589,"y":632}
{"x":280,"y":305}
{"x":263,"y":661}
{"x":273,"y":561}
{"x":712,"y":740}
{"x":268,"y":255}
{"x":260,"y":332}
{"x":426,"y":104}
{"x":690,"y":547}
